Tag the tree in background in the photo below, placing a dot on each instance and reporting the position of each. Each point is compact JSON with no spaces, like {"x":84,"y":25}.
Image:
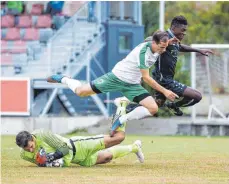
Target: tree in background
{"x":208,"y":21}
{"x":150,"y":16}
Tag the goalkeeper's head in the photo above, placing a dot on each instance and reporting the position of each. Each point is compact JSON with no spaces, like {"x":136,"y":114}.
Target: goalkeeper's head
{"x":26,"y":141}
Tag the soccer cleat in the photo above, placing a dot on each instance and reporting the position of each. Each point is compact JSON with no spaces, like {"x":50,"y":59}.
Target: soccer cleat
{"x":121,"y":100}
{"x":139,"y":153}
{"x":55,"y":78}
{"x":115,"y":124}
{"x":176,"y":110}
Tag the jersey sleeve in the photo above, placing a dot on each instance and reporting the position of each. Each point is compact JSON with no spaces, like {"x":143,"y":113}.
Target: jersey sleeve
{"x":28,"y":157}
{"x":54,"y":141}
{"x":142,"y":57}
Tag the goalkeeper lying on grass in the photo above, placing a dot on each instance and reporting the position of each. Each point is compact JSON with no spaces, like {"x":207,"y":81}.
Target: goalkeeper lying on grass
{"x":51,"y":150}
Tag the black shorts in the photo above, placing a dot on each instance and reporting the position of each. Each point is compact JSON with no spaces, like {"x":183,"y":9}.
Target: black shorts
{"x":171,"y":85}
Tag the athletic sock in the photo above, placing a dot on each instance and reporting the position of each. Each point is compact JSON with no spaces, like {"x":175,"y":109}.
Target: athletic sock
{"x":122,"y":110}
{"x":120,"y":151}
{"x":138,"y":113}
{"x":71,"y":83}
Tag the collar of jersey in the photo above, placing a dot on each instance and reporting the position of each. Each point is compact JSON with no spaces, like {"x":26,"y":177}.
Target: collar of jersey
{"x":149,"y":44}
{"x":171,"y":35}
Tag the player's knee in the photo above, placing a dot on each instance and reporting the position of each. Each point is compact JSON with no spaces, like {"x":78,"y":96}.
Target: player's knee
{"x":120,"y":138}
{"x":153,"y":109}
{"x":80,"y":92}
{"x":108,"y":157}
{"x":198,"y":97}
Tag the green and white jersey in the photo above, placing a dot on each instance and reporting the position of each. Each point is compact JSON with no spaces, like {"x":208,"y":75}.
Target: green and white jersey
{"x":141,"y":57}
{"x":50,"y":142}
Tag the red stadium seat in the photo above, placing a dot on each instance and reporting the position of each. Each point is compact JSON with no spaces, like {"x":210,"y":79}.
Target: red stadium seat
{"x":44,"y":21}
{"x":6,"y":59}
{"x":18,"y":47}
{"x":24,"y":21}
{"x":37,"y":9}
{"x":7,"y":21}
{"x":31,"y":34}
{"x":4,"y":48}
{"x":12,"y":34}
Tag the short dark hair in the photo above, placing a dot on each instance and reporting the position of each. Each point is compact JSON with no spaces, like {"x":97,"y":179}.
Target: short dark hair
{"x":23,"y":138}
{"x":179,"y":20}
{"x":160,"y":36}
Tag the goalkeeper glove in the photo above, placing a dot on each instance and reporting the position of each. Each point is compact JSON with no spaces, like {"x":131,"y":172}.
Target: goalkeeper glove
{"x":43,"y":159}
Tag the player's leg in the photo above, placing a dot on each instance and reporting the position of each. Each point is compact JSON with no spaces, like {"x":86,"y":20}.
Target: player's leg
{"x":190,"y":97}
{"x":139,"y":95}
{"x":119,"y":134}
{"x":88,"y":147}
{"x":103,"y":84}
{"x":115,"y":152}
{"x":177,"y":88}
{"x":76,"y":86}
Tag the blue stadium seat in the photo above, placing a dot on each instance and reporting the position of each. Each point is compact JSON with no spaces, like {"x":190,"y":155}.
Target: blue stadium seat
{"x":19,"y":59}
{"x":34,"y":49}
{"x":58,"y":21}
{"x":3,"y":33}
{"x":45,"y":34}
{"x":34,"y":20}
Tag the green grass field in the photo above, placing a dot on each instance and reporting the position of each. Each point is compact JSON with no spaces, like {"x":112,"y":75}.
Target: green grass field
{"x":183,"y":160}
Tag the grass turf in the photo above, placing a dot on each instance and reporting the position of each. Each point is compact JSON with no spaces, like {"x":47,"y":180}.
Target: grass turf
{"x":168,"y":160}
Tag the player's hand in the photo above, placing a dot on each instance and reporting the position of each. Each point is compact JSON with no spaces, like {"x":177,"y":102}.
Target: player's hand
{"x":41,"y":158}
{"x":173,"y":40}
{"x":206,"y":52}
{"x":170,"y":95}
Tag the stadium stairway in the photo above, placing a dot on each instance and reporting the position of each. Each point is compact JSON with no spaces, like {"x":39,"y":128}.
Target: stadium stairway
{"x":70,"y":51}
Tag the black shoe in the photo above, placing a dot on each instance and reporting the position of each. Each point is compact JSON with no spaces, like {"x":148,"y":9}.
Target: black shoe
{"x":176,"y":110}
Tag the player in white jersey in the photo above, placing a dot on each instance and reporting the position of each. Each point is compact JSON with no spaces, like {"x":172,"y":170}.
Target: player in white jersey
{"x":125,"y":78}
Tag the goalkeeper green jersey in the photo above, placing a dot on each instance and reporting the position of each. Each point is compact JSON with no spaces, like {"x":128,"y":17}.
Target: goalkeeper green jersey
{"x":50,"y":142}
{"x":86,"y":147}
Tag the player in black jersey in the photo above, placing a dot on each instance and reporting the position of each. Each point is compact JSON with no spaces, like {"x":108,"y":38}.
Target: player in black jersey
{"x":165,"y":69}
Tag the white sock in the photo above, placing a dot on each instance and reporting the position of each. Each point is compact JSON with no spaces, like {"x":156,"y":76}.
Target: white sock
{"x":71,"y":83}
{"x":137,"y":113}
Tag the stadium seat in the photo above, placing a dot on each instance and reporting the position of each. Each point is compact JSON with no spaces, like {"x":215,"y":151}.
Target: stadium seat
{"x":19,"y":59}
{"x":45,"y":34}
{"x":7,"y":21}
{"x":24,"y":21}
{"x":44,"y":21}
{"x":58,"y":21}
{"x":18,"y":47}
{"x":6,"y":59}
{"x":3,"y":33}
{"x":31,"y":34}
{"x":33,"y":47}
{"x":34,"y":20}
{"x":37,"y":9}
{"x":4,"y":48}
{"x":12,"y":34}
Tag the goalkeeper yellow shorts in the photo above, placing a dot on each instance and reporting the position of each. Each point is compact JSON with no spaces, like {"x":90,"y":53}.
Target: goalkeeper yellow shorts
{"x":87,"y":149}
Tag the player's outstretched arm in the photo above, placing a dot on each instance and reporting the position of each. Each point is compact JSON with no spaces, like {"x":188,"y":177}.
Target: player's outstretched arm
{"x":186,"y":48}
{"x":150,"y":81}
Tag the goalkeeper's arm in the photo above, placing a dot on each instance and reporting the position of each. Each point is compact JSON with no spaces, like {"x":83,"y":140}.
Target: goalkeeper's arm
{"x":55,"y":142}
